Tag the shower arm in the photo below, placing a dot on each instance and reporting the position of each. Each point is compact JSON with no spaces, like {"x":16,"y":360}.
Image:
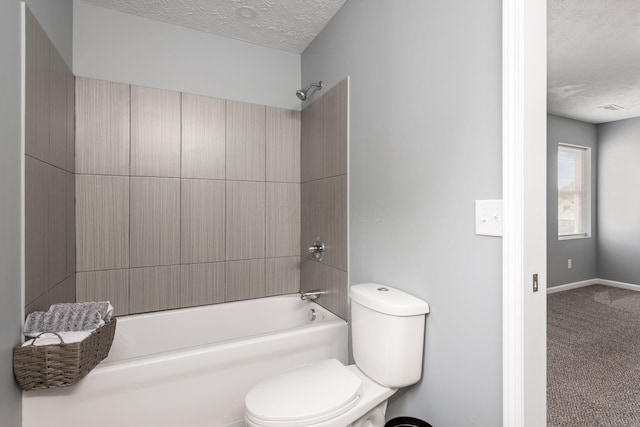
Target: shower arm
{"x":304,"y":93}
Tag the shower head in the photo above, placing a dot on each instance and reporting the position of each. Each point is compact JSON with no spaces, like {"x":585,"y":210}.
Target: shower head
{"x":303,"y":94}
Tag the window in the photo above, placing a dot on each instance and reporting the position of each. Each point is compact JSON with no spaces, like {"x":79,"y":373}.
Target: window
{"x":574,"y":191}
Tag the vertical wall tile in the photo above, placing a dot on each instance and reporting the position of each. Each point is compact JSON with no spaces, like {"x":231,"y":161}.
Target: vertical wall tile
{"x":309,"y":274}
{"x":202,"y":284}
{"x":71,"y":222}
{"x":203,"y":221}
{"x":324,"y":163}
{"x":335,"y":130}
{"x":316,"y":275}
{"x":282,"y":145}
{"x":324,"y":136}
{"x":245,"y":141}
{"x":335,"y":222}
{"x":314,"y":212}
{"x":106,"y":285}
{"x":324,"y":215}
{"x":154,"y":288}
{"x":283,"y":219}
{"x":39,"y":304}
{"x":312,"y":159}
{"x":37,"y":184}
{"x":71,"y":122}
{"x":102,"y":218}
{"x":245,"y":279}
{"x":245,"y":220}
{"x":49,"y":217}
{"x":203,"y":137}
{"x":37,"y":90}
{"x":57,"y":109}
{"x":282,"y":275}
{"x":335,"y":282}
{"x":103,"y":127}
{"x":199,"y":221}
{"x":155,"y":132}
{"x":155,"y":221}
{"x":57,"y":229}
{"x":64,"y":291}
{"x":309,"y":215}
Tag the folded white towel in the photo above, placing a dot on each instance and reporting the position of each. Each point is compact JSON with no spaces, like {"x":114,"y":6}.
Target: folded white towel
{"x":104,"y":308}
{"x":65,"y":317}
{"x":49,"y":338}
{"x":59,"y":321}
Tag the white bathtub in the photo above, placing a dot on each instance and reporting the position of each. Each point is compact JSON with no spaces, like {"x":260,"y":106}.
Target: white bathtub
{"x":191,"y":367}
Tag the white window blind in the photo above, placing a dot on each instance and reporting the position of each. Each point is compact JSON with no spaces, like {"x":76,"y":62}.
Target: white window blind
{"x":574,"y":191}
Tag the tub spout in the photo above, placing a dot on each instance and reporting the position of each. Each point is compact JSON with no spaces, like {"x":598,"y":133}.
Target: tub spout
{"x":311,"y":295}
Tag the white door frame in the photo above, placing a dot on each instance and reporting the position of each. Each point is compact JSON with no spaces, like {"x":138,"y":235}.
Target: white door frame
{"x":524,"y":203}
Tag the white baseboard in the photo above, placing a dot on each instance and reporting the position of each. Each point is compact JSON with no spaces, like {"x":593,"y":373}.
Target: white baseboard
{"x":574,"y":285}
{"x":623,"y":285}
{"x":606,"y":282}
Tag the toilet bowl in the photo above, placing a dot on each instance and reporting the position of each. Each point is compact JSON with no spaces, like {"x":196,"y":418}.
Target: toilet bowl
{"x":387,"y":335}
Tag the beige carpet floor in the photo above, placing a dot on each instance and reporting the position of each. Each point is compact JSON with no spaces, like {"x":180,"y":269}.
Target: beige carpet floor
{"x":593,"y":357}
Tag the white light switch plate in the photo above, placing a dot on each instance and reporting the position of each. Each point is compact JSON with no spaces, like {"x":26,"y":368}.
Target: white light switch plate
{"x":489,"y":218}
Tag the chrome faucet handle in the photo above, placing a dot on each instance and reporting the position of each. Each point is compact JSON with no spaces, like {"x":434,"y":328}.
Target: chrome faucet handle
{"x":317,"y":249}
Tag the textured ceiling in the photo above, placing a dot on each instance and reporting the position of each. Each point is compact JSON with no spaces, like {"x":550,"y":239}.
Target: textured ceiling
{"x":288,"y":25}
{"x":594,"y":59}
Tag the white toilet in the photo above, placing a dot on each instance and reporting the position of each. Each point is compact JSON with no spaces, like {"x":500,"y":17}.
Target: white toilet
{"x":387,"y":328}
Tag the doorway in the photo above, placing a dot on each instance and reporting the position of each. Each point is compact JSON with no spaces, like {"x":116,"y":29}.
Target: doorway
{"x":593,"y":205}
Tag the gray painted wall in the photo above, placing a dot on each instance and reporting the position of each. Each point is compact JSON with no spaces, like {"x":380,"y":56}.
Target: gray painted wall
{"x":582,"y":252}
{"x":120,"y":47}
{"x":619,"y":200}
{"x":10,"y":160}
{"x":56,"y":19}
{"x":425,"y":142}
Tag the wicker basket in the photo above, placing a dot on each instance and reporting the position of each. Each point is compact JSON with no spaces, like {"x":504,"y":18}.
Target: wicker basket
{"x":61,"y":365}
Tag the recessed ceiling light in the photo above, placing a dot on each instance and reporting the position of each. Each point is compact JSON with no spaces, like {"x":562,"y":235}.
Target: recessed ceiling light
{"x":246,"y":12}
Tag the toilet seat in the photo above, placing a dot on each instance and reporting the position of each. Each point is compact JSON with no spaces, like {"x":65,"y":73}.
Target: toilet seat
{"x":371,"y":402}
{"x":309,"y":394}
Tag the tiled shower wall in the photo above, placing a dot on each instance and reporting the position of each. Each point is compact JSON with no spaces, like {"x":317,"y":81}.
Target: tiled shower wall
{"x":49,"y":173}
{"x":324,"y":160}
{"x":183,"y":200}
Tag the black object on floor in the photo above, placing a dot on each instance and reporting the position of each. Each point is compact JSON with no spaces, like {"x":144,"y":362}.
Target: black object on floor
{"x":407,"y":422}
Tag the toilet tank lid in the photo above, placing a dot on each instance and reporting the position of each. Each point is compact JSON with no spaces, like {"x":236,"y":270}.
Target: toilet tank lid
{"x":387,"y":300}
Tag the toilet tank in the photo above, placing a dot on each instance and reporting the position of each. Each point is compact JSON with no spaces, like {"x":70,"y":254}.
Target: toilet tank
{"x":387,"y":330}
